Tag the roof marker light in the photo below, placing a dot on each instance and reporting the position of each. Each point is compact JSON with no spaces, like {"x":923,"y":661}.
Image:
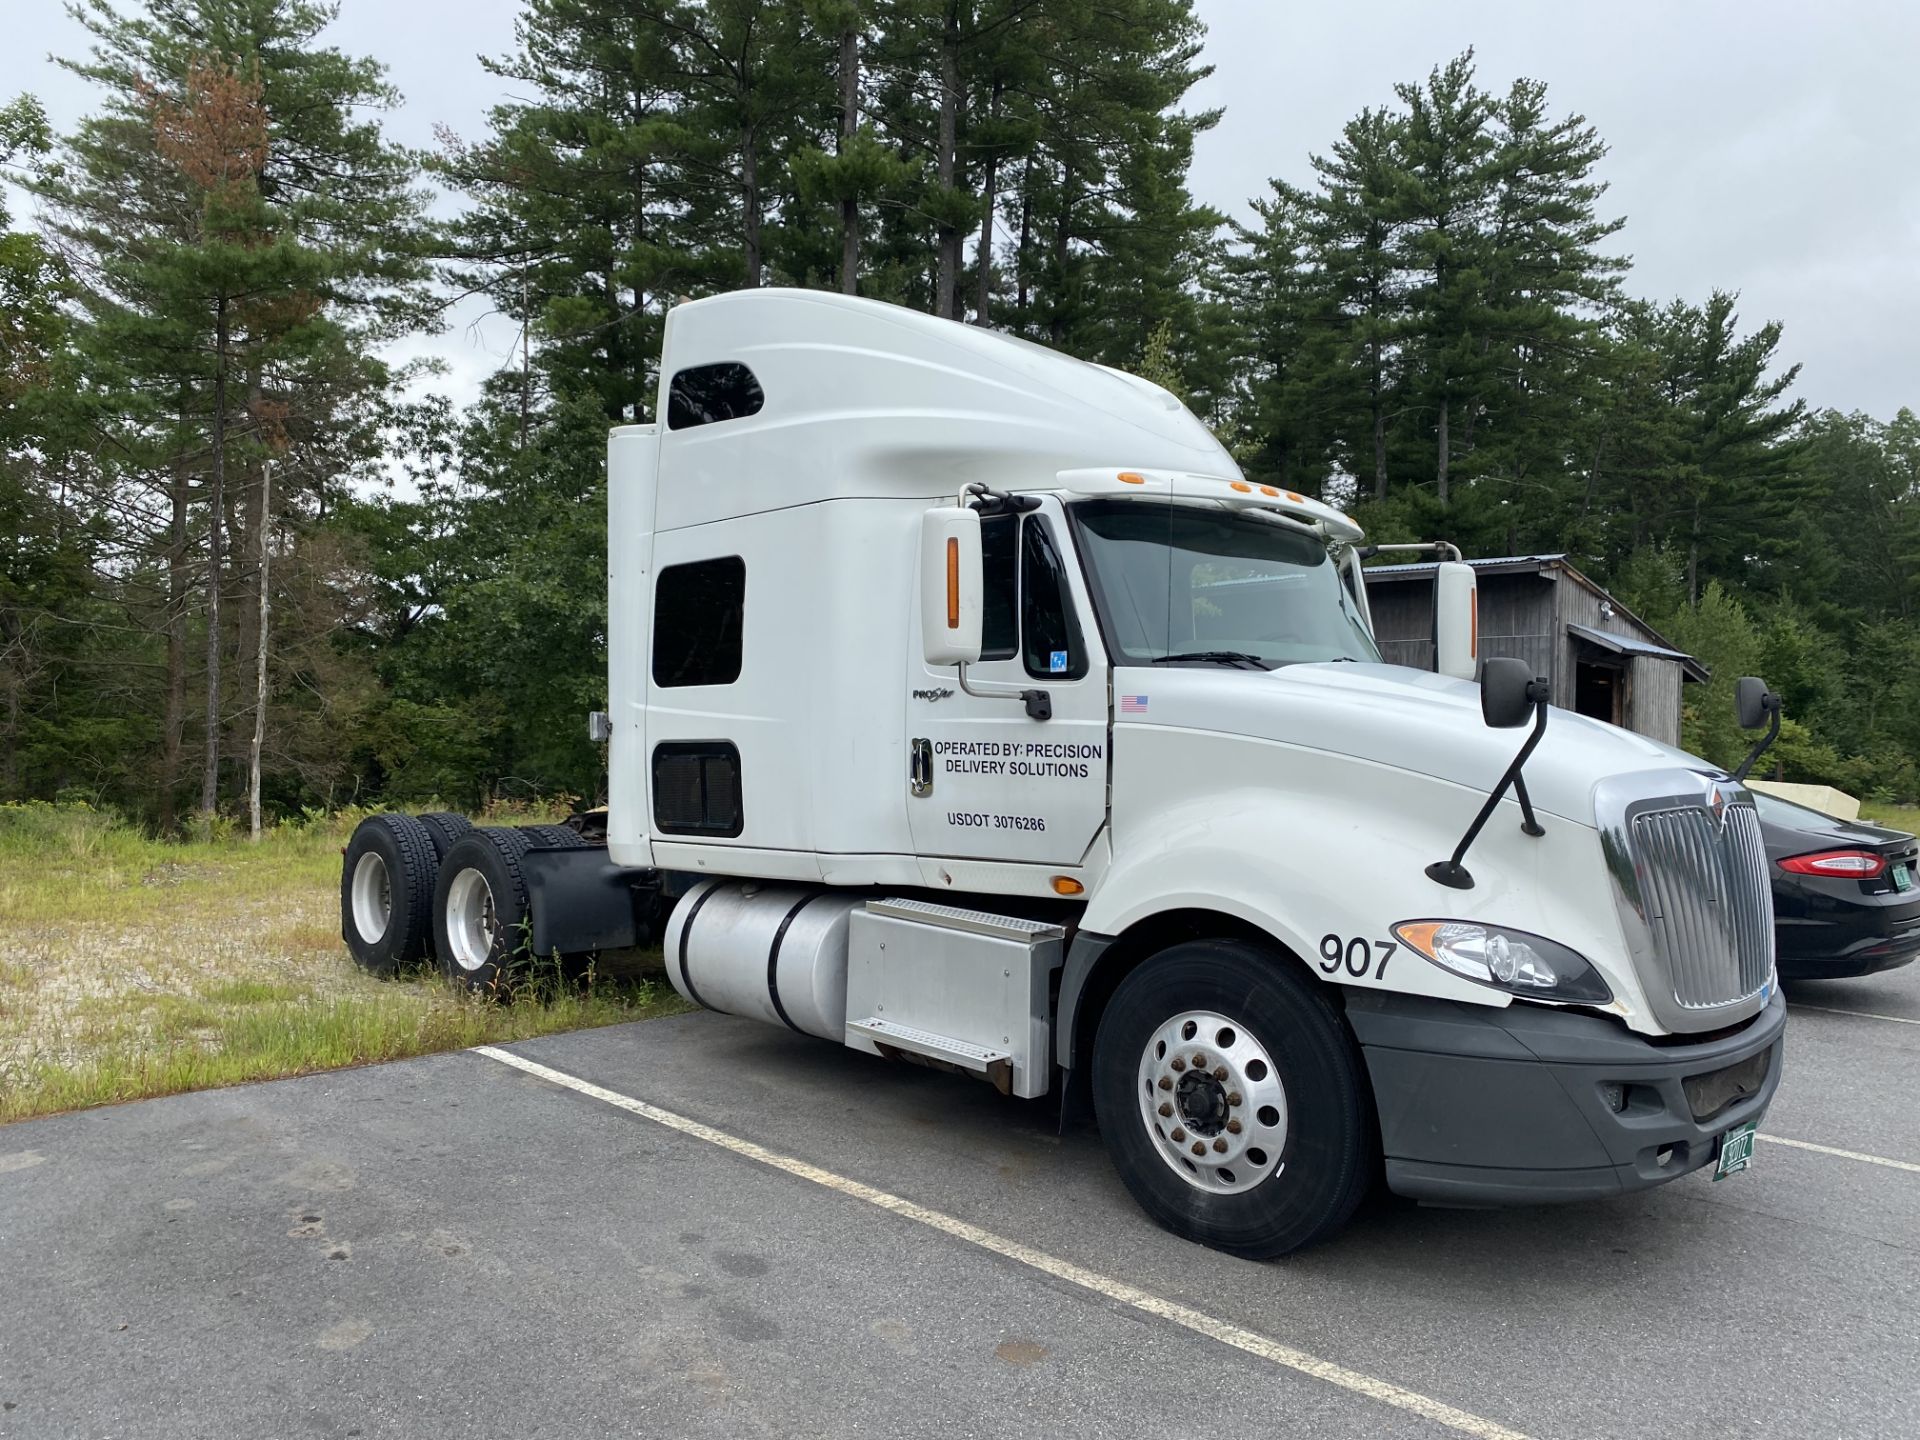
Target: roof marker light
{"x":1269,"y":490}
{"x":1242,"y":486}
{"x":1296,"y":499}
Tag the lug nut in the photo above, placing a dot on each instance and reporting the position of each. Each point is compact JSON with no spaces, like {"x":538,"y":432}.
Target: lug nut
{"x":1165,"y":1083}
{"x":1178,"y":1063}
{"x":1179,"y":1136}
{"x":1233,"y":1097}
{"x":1198,"y":1148}
{"x":1220,"y":1145}
{"x":1199,"y":1060}
{"x":1233,"y":1127}
{"x":1166,"y":1109}
{"x":1219,"y":1072}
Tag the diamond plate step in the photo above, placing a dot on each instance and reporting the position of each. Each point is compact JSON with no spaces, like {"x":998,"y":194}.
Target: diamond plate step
{"x":925,"y":1042}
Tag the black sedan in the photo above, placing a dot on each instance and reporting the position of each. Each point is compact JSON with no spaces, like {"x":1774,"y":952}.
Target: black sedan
{"x":1846,"y":896}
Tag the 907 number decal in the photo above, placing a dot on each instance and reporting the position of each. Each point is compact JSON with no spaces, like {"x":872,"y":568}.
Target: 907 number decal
{"x":1357,"y":956}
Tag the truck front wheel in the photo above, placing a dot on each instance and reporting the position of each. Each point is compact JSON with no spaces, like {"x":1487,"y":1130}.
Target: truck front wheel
{"x":1231,"y":1099}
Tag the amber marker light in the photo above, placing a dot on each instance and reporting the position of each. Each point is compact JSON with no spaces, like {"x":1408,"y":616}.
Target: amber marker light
{"x":1132,"y":477}
{"x":1067,"y":885}
{"x":953,"y":583}
{"x":1242,"y":486}
{"x":1419,"y":934}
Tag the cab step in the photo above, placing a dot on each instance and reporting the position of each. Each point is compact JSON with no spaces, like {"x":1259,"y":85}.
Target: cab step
{"x":903,"y":1042}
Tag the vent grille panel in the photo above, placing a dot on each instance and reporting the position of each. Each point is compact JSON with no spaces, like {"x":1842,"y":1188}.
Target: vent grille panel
{"x":1707,"y":903}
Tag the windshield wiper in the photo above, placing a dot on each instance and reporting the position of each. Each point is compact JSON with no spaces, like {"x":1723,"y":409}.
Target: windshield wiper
{"x":1217,"y":657}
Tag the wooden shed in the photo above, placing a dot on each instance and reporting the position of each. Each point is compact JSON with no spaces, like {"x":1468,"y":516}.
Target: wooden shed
{"x":1602,"y":659}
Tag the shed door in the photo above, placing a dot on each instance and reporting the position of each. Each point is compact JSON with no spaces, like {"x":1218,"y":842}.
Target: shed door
{"x":1600,"y":689}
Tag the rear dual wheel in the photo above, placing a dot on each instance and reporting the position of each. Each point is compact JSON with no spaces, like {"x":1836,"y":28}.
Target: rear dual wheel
{"x":1230,"y":1095}
{"x":386,"y":892}
{"x":445,"y":827}
{"x":481,"y":914}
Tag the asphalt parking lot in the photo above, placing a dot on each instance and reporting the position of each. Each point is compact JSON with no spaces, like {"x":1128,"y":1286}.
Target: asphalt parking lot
{"x":744,"y":1232}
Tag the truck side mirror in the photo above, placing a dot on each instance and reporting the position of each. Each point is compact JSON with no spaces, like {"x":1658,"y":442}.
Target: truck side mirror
{"x":1508,"y":692}
{"x":951,"y":585}
{"x":1753,"y":702}
{"x":1456,"y":621}
{"x":1754,"y":705}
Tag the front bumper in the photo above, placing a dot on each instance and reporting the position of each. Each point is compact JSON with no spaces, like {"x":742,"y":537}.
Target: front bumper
{"x":1527,"y":1105}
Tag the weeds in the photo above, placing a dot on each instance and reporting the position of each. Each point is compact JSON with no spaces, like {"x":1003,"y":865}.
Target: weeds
{"x":135,"y":967}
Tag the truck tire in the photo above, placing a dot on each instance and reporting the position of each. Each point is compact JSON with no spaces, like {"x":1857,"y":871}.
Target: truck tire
{"x":445,"y":827}
{"x":386,"y":892}
{"x":480,"y":909}
{"x":555,"y":837}
{"x":1232,"y":1099}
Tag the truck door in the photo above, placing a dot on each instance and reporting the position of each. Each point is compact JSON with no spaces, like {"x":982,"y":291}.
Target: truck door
{"x":987,"y":780}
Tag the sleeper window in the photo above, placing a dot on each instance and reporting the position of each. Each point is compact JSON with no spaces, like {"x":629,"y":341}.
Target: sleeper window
{"x":698,"y":612}
{"x":708,"y":394}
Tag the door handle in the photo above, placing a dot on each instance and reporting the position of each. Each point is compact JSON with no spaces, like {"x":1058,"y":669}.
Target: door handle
{"x":920,"y":768}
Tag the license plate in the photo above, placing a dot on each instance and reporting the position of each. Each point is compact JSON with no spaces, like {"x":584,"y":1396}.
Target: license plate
{"x":1736,"y":1150}
{"x":1903,"y":877}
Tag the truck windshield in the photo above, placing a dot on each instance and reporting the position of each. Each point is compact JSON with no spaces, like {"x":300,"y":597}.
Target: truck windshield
{"x":1217,"y":585}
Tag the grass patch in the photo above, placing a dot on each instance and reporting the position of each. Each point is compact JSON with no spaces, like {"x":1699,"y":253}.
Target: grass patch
{"x":1898,"y":817}
{"x":137,"y":967}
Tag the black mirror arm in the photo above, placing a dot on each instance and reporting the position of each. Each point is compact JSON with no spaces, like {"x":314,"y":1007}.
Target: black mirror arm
{"x":1773,"y":733}
{"x":1451,"y":872}
{"x":1528,"y":824}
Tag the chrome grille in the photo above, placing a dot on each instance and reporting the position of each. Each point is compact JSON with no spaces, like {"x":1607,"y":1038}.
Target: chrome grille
{"x":1703,"y":885}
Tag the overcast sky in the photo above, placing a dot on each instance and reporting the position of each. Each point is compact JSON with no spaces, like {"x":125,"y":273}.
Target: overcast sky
{"x":1771,"y":148}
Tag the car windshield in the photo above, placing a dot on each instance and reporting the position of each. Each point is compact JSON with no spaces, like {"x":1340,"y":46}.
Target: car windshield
{"x":1221,"y":586}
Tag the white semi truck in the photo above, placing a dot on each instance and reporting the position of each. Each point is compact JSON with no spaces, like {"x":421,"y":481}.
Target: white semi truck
{"x":981,"y":713}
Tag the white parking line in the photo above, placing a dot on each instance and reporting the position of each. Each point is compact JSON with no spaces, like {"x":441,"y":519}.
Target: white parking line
{"x":1843,"y":1154}
{"x":1857,"y":1014}
{"x":1103,"y":1285}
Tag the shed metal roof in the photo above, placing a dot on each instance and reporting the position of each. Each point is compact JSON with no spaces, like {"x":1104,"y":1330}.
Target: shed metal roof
{"x":1498,"y":565}
{"x":1540,"y":564}
{"x":1634,"y":645}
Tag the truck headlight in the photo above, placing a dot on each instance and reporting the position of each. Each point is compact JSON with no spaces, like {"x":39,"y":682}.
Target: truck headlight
{"x":1510,"y":960}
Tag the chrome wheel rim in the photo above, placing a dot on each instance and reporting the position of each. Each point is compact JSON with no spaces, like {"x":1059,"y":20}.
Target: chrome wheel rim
{"x":372,"y":895}
{"x":1212,"y":1102}
{"x":472,"y":925}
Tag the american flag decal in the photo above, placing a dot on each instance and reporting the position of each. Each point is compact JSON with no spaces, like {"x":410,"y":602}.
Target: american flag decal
{"x":1133,"y":704}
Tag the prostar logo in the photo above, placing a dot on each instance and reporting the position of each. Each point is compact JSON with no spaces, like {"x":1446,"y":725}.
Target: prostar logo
{"x":940,"y":692}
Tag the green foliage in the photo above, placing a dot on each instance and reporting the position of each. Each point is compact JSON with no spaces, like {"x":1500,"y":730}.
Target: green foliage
{"x":1434,"y":332}
{"x":237,"y":241}
{"x":1721,"y":635}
